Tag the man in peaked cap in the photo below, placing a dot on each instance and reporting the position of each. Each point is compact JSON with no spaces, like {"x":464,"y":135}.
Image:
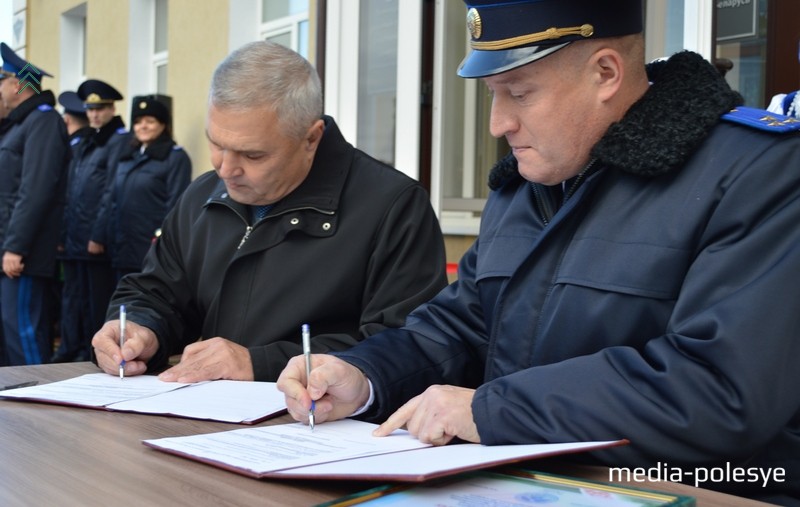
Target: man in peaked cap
{"x":88,"y":276}
{"x":78,"y":130}
{"x":74,"y":113}
{"x":33,"y":161}
{"x":635,"y":275}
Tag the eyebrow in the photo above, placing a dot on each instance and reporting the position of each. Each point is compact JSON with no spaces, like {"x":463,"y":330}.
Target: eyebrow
{"x":241,"y":152}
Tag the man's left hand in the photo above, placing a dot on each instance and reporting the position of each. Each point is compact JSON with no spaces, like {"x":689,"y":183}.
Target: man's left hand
{"x":12,"y":264}
{"x":212,"y":359}
{"x":436,"y":416}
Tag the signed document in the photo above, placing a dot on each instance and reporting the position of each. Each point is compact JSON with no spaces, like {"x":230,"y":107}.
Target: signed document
{"x":219,"y":400}
{"x":346,"y":449}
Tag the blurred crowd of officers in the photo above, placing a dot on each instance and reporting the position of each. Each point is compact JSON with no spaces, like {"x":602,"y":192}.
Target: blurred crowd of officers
{"x":81,"y":199}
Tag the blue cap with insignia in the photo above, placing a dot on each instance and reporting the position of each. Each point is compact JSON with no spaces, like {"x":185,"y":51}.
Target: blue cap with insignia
{"x":72,"y":104}
{"x":96,"y":93}
{"x":506,"y":35}
{"x":14,"y":65}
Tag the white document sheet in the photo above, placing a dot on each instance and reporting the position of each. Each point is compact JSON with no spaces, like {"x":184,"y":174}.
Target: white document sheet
{"x":95,"y":389}
{"x":218,"y":400}
{"x":346,"y":449}
{"x":270,"y":448}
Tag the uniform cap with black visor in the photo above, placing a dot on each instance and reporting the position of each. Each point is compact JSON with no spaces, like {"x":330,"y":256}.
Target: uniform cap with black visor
{"x":505,"y":35}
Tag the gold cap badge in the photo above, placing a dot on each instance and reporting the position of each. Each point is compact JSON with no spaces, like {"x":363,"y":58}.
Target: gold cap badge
{"x":474,"y":23}
{"x":142,"y":105}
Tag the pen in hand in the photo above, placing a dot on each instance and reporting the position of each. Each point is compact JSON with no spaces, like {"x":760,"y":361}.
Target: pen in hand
{"x":122,"y":317}
{"x":307,"y":353}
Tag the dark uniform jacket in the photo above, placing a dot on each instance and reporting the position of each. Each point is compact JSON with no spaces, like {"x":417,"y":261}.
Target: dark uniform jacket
{"x":146,"y":186}
{"x":352,"y":250}
{"x":33,"y":161}
{"x":660,"y":303}
{"x":93,"y":165}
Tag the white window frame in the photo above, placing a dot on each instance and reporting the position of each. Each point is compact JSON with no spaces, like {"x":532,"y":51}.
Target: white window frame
{"x":287,"y":24}
{"x":158,"y":58}
{"x":73,"y":47}
{"x":341,"y":76}
{"x":143,"y":60}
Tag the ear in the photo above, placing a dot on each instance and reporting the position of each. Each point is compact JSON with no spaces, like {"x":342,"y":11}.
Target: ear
{"x":609,"y":72}
{"x":314,"y":135}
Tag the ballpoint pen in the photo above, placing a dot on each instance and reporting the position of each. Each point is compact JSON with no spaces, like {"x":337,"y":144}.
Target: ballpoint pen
{"x":122,"y":317}
{"x":307,"y":353}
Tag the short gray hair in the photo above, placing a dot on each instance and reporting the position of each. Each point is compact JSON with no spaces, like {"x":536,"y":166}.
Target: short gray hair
{"x":266,"y":74}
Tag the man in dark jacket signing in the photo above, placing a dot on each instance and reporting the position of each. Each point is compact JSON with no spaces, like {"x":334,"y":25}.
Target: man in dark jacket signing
{"x":294,"y":226}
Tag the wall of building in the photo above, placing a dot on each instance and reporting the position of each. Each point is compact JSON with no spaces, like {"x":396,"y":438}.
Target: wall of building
{"x":198,"y":41}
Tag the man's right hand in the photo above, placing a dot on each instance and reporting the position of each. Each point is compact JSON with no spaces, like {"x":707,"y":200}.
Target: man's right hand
{"x":338,"y":388}
{"x":140,"y":346}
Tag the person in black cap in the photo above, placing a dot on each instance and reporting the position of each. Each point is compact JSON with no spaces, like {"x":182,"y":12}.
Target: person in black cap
{"x":33,"y":162}
{"x":151,"y":175}
{"x":75,"y":118}
{"x":293,"y":226}
{"x":635,"y":274}
{"x":78,"y":129}
{"x":88,"y":276}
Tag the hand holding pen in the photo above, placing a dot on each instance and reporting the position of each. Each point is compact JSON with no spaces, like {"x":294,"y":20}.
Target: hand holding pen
{"x":307,"y":353}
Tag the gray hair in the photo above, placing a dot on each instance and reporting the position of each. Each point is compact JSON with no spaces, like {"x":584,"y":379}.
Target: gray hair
{"x":266,"y":74}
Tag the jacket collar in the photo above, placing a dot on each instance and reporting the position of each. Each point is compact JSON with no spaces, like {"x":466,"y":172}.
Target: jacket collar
{"x":322,"y":188}
{"x":667,"y":125}
{"x":158,"y":149}
{"x":24,"y":109}
{"x":80,"y":134}
{"x":104,"y":133}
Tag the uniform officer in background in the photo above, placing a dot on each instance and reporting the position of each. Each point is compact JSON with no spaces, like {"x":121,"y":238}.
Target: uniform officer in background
{"x":78,"y":130}
{"x":74,"y":117}
{"x":88,"y":277}
{"x":33,"y":161}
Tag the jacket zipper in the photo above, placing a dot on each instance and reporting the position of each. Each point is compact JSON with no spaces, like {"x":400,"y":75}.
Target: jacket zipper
{"x":247,"y":232}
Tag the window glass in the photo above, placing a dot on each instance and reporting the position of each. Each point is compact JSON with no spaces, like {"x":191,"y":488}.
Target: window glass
{"x":160,"y":42}
{"x":286,"y":22}
{"x":742,"y":39}
{"x":272,"y":10}
{"x":377,"y":78}
{"x":161,"y":79}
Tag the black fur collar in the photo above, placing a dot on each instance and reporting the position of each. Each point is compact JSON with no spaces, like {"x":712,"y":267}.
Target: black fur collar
{"x":666,"y":126}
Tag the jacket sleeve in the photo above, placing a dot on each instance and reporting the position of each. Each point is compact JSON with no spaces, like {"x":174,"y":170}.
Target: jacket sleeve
{"x":444,"y":341}
{"x":44,"y":159}
{"x":406,"y":269}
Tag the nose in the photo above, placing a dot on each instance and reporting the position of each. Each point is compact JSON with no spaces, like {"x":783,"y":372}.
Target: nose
{"x":501,"y":119}
{"x":229,"y":164}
